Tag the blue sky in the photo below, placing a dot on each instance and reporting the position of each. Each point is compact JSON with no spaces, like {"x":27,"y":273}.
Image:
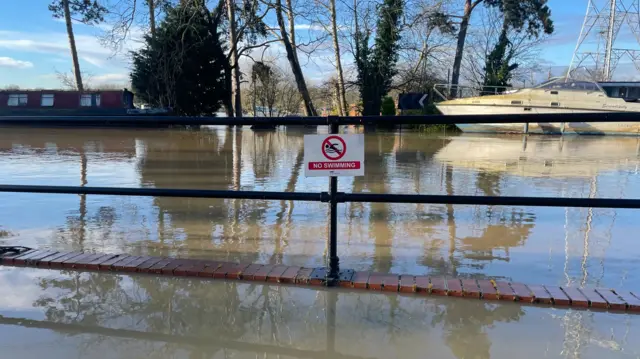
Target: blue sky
{"x":34,"y":46}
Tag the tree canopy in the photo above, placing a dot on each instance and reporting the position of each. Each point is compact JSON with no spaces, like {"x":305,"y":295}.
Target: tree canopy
{"x":181,"y":67}
{"x":85,"y":11}
{"x":377,"y":66}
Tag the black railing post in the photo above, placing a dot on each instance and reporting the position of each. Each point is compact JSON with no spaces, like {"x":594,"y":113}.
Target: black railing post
{"x":334,"y":262}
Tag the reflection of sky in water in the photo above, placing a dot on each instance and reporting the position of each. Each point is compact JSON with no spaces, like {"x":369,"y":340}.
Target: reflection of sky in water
{"x":145,"y":316}
{"x":533,"y":245}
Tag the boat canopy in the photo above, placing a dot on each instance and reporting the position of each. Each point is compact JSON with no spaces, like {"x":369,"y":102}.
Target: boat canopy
{"x":563,"y":83}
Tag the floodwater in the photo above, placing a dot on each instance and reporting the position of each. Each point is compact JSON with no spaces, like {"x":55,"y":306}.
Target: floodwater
{"x":61,"y":314}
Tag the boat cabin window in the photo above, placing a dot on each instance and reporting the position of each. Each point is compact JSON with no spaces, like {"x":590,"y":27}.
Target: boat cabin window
{"x":17,"y":100}
{"x":561,"y":84}
{"x":555,"y":104}
{"x":516,"y":102}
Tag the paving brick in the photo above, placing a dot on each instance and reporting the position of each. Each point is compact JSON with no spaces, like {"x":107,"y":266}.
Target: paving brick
{"x":504,"y":291}
{"x":108,"y":265}
{"x":157,"y":267}
{"x":577,"y":298}
{"x":391,"y":283}
{"x":613,"y":300}
{"x":454,"y":288}
{"x":84,"y":261}
{"x":221,"y":269}
{"x":276,"y":273}
{"x":488,"y":290}
{"x":32,"y":261}
{"x":522,"y":292}
{"x":360,"y":280}
{"x":633,"y":303}
{"x":9,"y":258}
{"x":173,"y":265}
{"x":95,"y":264}
{"x":262,"y":273}
{"x":470,"y":288}
{"x":133,"y":266}
{"x":146,"y":265}
{"x":57,"y":263}
{"x":250,"y":272}
{"x":408,"y":283}
{"x":195,"y":269}
{"x":21,"y":260}
{"x":540,"y":294}
{"x":235,"y":271}
{"x":289,"y":275}
{"x":345,"y":278}
{"x":559,"y":297}
{"x":375,"y":281}
{"x":44,"y":262}
{"x":595,"y":299}
{"x":438,"y":286}
{"x":72,"y":262}
{"x":423,"y":284}
{"x":318,"y":276}
{"x":190,"y":268}
{"x":120,"y":265}
{"x":303,"y":275}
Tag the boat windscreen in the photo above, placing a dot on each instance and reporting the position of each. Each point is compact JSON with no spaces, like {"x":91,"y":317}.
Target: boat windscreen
{"x":568,"y":84}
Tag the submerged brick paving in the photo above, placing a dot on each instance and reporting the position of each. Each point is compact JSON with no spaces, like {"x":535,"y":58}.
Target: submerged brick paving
{"x":599,"y":298}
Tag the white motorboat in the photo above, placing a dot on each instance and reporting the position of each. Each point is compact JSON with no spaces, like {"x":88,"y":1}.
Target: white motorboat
{"x":558,"y":95}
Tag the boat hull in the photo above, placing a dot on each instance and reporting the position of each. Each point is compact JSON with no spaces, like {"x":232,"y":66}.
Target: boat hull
{"x":580,"y":128}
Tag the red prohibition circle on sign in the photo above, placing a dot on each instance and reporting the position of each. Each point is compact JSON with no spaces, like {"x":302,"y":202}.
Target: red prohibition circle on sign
{"x":334,"y":150}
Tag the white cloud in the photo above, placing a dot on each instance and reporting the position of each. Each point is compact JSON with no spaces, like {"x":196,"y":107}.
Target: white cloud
{"x":110,"y":78}
{"x":13,"y":63}
{"x":57,"y":43}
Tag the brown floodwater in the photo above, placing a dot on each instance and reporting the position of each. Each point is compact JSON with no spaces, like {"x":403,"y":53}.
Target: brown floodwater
{"x":61,"y":314}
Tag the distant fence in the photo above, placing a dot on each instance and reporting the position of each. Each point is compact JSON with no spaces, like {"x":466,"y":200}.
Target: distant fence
{"x":332,"y":196}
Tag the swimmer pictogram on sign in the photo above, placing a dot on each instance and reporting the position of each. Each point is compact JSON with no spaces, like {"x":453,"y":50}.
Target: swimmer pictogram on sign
{"x":334,"y":155}
{"x":334,"y":148}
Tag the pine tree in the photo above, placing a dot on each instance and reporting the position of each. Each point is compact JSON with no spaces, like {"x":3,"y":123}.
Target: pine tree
{"x":377,"y":66}
{"x":182,"y":66}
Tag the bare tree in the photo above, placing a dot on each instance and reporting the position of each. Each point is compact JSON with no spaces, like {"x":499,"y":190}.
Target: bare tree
{"x":483,"y":38}
{"x":289,"y":41}
{"x":68,"y":80}
{"x":128,"y":17}
{"x":271,"y":91}
{"x":85,"y":11}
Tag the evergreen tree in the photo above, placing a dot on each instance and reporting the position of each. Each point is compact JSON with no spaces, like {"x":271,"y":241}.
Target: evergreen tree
{"x":377,"y":66}
{"x":533,"y":17}
{"x":182,"y":66}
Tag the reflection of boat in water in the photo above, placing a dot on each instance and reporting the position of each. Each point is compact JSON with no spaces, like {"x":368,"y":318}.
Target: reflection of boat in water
{"x":540,"y":157}
{"x":558,"y":95}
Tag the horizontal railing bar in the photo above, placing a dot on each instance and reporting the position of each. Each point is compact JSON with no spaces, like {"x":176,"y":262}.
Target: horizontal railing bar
{"x":167,"y":192}
{"x":341,"y":197}
{"x":356,"y":120}
{"x":492,"y":200}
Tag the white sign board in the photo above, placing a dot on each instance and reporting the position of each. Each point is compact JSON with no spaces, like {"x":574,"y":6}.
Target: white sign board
{"x":333,"y":155}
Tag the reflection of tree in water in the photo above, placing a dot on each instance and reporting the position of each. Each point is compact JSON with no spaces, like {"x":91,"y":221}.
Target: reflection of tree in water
{"x":182,"y":307}
{"x":503,"y":228}
{"x":465,"y":323}
{"x":203,"y":160}
{"x":376,"y":179}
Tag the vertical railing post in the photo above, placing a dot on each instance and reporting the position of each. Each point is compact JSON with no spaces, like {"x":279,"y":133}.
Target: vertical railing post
{"x":334,"y":262}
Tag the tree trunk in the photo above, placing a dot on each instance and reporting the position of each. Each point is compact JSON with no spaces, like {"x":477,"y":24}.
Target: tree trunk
{"x":152,"y":17}
{"x":295,"y":65}
{"x":72,"y":45}
{"x":235,"y":66}
{"x":342,"y":97}
{"x":462,"y":37}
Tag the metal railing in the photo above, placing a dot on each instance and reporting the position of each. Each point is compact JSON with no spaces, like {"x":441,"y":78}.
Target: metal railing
{"x":332,"y":196}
